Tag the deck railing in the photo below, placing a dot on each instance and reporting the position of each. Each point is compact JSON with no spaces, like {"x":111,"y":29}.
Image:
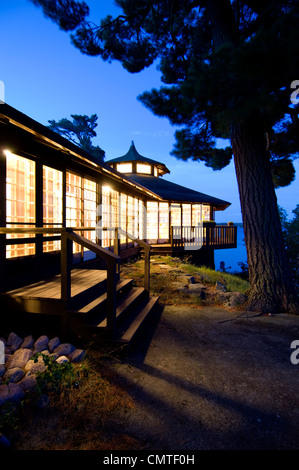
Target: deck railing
{"x":69,"y":236}
{"x":208,"y":235}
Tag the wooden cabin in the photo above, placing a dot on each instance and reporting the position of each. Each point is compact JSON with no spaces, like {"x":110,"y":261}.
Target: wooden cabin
{"x":67,"y":222}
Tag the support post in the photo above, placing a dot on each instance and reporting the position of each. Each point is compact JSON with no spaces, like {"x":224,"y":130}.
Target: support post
{"x":111,"y":297}
{"x":66,"y":262}
{"x":147,"y":261}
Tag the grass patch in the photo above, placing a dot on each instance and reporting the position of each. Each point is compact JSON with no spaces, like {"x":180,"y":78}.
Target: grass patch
{"x":84,"y":417}
{"x":169,"y":275}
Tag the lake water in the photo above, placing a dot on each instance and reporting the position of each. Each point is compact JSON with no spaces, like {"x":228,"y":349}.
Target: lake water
{"x":232,"y":256}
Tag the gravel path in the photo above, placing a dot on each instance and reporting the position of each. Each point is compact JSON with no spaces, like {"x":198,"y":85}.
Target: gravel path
{"x":204,"y":380}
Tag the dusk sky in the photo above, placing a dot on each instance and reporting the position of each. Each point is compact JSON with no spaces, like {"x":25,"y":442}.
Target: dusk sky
{"x":45,"y":77}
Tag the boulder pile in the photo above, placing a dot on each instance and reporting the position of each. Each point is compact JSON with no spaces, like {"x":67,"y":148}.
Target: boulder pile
{"x":18,"y":370}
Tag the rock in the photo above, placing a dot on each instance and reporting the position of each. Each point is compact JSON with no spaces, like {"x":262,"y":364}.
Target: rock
{"x":235,"y":299}
{"x":191,"y":280}
{"x":28,"y":383}
{"x":18,"y":359}
{"x":53,"y":344}
{"x":77,"y":355}
{"x":35,"y":367}
{"x":14,"y":342}
{"x":2,"y":370}
{"x":220,"y":287}
{"x":62,"y":359}
{"x":27,"y":343}
{"x":41,"y":344}
{"x":12,"y":392}
{"x":64,"y":349}
{"x":196,"y":288}
{"x":14,"y":375}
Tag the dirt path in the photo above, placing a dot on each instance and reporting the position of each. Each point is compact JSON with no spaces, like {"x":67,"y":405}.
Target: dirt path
{"x":201,"y":382}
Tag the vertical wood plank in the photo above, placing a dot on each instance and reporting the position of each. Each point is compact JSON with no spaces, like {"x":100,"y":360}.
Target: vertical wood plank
{"x":111,"y":297}
{"x":147,"y":270}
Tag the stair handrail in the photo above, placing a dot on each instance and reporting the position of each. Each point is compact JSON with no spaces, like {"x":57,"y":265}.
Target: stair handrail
{"x":147,"y":253}
{"x":68,"y":237}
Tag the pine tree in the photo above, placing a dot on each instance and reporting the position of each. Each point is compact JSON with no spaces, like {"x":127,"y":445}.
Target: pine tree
{"x":228,"y":70}
{"x":80,"y":131}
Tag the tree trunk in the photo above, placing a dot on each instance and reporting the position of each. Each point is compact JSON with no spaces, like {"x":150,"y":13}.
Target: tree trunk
{"x":271,"y":287}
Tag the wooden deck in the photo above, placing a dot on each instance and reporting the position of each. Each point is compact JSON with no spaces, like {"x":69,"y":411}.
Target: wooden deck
{"x":81,"y":280}
{"x":87,"y":306}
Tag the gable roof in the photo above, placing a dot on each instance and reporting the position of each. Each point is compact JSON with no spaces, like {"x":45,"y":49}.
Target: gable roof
{"x":174,"y":192}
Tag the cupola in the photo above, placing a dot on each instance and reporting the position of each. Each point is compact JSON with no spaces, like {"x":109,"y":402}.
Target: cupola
{"x":134,"y":163}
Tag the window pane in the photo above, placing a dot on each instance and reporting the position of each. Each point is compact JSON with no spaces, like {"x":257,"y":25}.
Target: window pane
{"x":20,"y":201}
{"x":144,"y":168}
{"x":152,"y":220}
{"x":124,"y":167}
{"x":74,"y":204}
{"x":90,"y":208}
{"x":163,"y":220}
{"x":186,"y":222}
{"x":52,"y":204}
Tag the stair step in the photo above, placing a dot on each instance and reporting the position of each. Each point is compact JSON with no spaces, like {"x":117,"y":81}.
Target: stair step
{"x":134,"y":295}
{"x":101,"y":300}
{"x":139,"y":319}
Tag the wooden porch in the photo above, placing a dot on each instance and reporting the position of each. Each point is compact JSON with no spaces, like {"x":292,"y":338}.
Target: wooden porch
{"x":88,"y":302}
{"x":208,"y":237}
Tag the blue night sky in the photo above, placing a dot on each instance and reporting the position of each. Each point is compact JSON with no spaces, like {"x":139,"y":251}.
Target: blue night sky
{"x":46,"y":78}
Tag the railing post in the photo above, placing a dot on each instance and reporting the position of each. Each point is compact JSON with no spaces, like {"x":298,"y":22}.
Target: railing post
{"x":111,"y":297}
{"x":147,"y":269}
{"x":66,"y":261}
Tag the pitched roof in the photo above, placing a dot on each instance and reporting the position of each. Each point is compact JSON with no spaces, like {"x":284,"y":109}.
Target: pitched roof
{"x":175,"y":192}
{"x":133,"y":155}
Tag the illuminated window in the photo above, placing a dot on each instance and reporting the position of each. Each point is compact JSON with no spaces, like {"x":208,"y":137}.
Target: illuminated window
{"x":155,"y":172}
{"x":74,"y":204}
{"x":196,"y":214}
{"x":152,"y":220}
{"x":206,"y":213}
{"x":52,"y":204}
{"x":186,"y":219}
{"x":123,"y":216}
{"x":144,"y":168}
{"x":114,"y":201}
{"x":20,"y":201}
{"x":163,"y":220}
{"x":131,"y":216}
{"x":106,"y":216}
{"x":124,"y":167}
{"x":90,"y":208}
{"x":142,"y":220}
{"x":175,"y":215}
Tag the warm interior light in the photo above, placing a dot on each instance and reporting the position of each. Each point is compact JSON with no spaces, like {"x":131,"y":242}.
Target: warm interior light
{"x":144,"y":168}
{"x":124,"y":167}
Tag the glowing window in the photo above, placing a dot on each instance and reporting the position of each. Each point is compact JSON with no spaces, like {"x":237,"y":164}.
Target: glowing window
{"x":74,"y":204}
{"x":155,"y":172}
{"x":152,"y":220}
{"x":144,"y":168}
{"x":52,"y":204}
{"x":20,"y":201}
{"x":124,"y":167}
{"x":163,"y":220}
{"x":186,"y":219}
{"x":206,"y":213}
{"x":90,"y":208}
{"x":175,"y":215}
{"x":196,"y":214}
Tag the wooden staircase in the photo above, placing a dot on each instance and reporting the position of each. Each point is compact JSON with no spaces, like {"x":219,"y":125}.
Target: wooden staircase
{"x":88,"y":312}
{"x":90,"y":302}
